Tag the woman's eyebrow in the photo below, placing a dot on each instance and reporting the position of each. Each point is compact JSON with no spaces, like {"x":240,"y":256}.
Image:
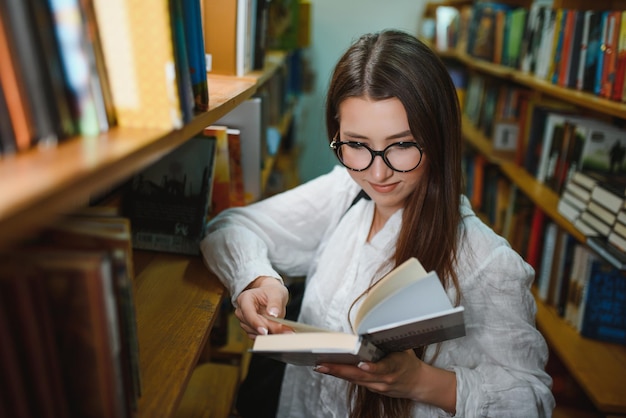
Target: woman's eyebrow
{"x":355,"y":135}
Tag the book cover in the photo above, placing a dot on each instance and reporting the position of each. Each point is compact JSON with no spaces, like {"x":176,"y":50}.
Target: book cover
{"x":379,"y":327}
{"x":30,"y":333}
{"x":584,"y":47}
{"x":557,"y":45}
{"x":228,"y":35}
{"x":181,"y":61}
{"x":551,"y":144}
{"x":620,"y":66}
{"x":138,"y":47}
{"x":532,"y":37}
{"x":168,"y":202}
{"x":194,"y":38}
{"x":29,"y":61}
{"x":604,"y":148}
{"x":610,"y":53}
{"x":594,"y":43}
{"x":8,"y":142}
{"x":237,"y":190}
{"x":220,"y":35}
{"x":516,"y":25}
{"x":81,"y":299}
{"x":112,"y":234}
{"x":220,"y":197}
{"x":549,"y":248}
{"x":12,"y":384}
{"x":605,"y":23}
{"x":545,"y":62}
{"x":79,"y":66}
{"x":248,"y":119}
{"x":568,"y":29}
{"x":572,"y":68}
{"x":604,"y":315}
{"x":535,"y":242}
{"x":558,"y":294}
{"x":14,"y":94}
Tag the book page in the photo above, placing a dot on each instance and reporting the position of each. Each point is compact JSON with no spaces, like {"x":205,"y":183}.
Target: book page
{"x":419,"y":299}
{"x":407,"y":272}
{"x":296,"y":326}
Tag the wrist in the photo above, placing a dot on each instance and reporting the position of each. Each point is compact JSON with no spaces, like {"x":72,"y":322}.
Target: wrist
{"x":265,"y":281}
{"x":437,"y":387}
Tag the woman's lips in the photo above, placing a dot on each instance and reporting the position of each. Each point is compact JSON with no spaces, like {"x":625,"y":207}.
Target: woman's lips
{"x":384,"y":188}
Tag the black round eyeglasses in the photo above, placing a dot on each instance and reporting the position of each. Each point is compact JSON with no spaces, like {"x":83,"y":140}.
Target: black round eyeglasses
{"x":399,"y":156}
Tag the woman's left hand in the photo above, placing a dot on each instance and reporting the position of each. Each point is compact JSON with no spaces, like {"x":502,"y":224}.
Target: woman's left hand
{"x":400,"y":375}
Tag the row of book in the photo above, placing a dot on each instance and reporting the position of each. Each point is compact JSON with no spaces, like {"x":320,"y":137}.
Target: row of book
{"x":579,"y":49}
{"x":584,"y":283}
{"x":550,"y":139}
{"x":587,"y":291}
{"x":73,"y":68}
{"x":68,"y":336}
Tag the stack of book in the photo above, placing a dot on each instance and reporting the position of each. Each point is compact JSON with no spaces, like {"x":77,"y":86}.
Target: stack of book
{"x":67,"y":322}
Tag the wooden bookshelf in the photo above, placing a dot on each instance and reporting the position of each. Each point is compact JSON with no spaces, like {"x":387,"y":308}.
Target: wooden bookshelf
{"x":598,"y":367}
{"x":38,"y":185}
{"x":176,"y":301}
{"x":580,"y":98}
{"x":176,"y":297}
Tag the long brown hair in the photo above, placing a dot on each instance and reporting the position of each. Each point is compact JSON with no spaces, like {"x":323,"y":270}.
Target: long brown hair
{"x":394,"y":64}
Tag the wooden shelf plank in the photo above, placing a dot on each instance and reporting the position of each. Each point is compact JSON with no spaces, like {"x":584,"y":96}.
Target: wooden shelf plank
{"x":39,"y":184}
{"x":177,"y":299}
{"x":582,"y":99}
{"x":598,"y":367}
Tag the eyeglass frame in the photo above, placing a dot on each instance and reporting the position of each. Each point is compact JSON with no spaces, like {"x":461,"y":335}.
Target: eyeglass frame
{"x":334,"y":145}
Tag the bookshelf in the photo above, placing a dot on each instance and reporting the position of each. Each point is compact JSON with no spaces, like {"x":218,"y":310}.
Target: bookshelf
{"x":598,"y":367}
{"x":176,"y":297}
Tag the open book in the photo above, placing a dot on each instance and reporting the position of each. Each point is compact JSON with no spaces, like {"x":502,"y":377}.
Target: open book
{"x":407,"y":308}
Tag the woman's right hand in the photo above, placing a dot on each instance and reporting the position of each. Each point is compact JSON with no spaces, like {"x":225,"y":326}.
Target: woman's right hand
{"x":264,"y":296}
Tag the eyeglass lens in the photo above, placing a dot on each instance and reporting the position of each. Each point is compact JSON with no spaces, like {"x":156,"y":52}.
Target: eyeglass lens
{"x":402,"y":156}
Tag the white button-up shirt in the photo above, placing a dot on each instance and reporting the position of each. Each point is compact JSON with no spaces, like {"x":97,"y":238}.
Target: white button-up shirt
{"x":499,"y":364}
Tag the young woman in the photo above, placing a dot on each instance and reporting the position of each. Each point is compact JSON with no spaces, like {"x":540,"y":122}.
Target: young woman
{"x":393,"y":121}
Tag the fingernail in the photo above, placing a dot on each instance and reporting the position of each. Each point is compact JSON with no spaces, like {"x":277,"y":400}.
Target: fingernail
{"x":262,"y":330}
{"x":363,"y":366}
{"x":273,"y":312}
{"x":321,"y":369}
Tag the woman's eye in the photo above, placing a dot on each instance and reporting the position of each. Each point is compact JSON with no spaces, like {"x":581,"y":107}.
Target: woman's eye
{"x":356,"y":145}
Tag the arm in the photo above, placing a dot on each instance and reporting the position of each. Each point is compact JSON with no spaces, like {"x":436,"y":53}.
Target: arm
{"x":503,"y":372}
{"x":281,"y":233}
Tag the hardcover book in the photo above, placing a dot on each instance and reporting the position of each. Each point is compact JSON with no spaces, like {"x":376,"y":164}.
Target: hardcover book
{"x":427,"y":317}
{"x":168,"y":202}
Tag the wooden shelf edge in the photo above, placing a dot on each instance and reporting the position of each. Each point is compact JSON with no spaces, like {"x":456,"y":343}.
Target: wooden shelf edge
{"x":40,"y":184}
{"x":177,"y":300}
{"x":598,"y":367}
{"x":580,"y":98}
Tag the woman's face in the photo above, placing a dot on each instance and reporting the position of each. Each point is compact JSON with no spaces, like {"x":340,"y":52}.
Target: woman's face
{"x":378,"y":124}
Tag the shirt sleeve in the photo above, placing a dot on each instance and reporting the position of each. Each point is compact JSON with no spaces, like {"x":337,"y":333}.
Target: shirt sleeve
{"x":278,"y":234}
{"x":507,"y":376}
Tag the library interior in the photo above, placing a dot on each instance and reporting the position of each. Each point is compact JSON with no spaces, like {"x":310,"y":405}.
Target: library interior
{"x":107,"y":308}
